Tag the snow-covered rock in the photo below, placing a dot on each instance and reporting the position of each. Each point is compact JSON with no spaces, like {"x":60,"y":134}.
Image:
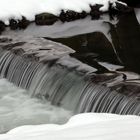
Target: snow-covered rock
{"x":17,"y":9}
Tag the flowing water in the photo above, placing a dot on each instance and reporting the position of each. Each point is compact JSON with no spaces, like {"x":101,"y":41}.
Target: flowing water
{"x":18,"y":108}
{"x":65,"y":82}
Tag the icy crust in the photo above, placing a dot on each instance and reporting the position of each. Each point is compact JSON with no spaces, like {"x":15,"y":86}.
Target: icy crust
{"x":16,"y":9}
{"x":86,"y":126}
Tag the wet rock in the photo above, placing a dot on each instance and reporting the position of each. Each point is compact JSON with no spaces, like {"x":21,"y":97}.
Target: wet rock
{"x":104,"y":78}
{"x":45,"y":19}
{"x":128,"y":88}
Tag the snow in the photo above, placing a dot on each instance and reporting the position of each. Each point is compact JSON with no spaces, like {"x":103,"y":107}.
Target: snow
{"x":86,"y":126}
{"x":29,"y":8}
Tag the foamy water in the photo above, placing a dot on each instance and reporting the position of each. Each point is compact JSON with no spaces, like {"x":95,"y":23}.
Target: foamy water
{"x":17,"y":108}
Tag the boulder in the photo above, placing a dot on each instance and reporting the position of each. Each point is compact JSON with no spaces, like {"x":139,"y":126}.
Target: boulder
{"x":45,"y":19}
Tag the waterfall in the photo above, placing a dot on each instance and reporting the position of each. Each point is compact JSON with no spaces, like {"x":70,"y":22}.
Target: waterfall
{"x":62,"y":86}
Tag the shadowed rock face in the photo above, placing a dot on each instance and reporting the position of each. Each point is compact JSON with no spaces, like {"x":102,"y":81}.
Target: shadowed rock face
{"x":120,"y":45}
{"x":126,"y":40}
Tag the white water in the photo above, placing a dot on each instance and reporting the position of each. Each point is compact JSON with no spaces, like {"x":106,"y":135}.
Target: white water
{"x":17,"y":108}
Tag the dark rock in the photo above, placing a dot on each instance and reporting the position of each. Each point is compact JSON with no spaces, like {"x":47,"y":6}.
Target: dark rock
{"x":19,"y":24}
{"x":68,"y":16}
{"x":62,"y":16}
{"x":83,"y":14}
{"x":45,"y":19}
{"x":13,"y":24}
{"x":71,"y":15}
{"x":2,"y":26}
{"x":95,"y":12}
{"x":119,"y":8}
{"x":22,"y":24}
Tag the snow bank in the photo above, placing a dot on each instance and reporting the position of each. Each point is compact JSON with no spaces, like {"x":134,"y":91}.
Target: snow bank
{"x":15,"y":9}
{"x":84,"y":126}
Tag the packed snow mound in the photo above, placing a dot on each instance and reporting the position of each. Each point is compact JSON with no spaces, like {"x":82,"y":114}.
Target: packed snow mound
{"x":16,"y":9}
{"x":86,"y":126}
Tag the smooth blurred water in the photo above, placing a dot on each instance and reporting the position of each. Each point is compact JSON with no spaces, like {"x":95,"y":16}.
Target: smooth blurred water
{"x":17,"y":108}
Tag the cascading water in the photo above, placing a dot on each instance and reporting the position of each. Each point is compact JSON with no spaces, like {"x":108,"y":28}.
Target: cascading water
{"x":17,"y":108}
{"x":68,"y":87}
